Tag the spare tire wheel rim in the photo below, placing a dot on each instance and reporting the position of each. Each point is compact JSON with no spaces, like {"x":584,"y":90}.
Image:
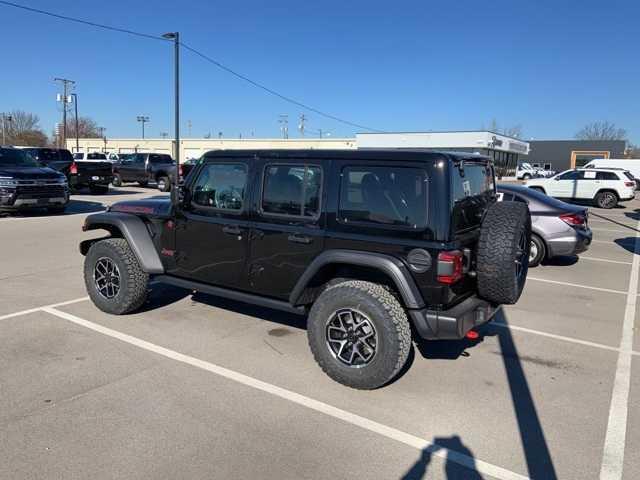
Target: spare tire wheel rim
{"x":521,"y":255}
{"x":106,"y":277}
{"x":351,"y":337}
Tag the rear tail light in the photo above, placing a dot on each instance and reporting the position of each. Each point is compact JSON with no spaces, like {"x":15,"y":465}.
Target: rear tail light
{"x":180,"y":170}
{"x":450,"y":266}
{"x":73,"y":169}
{"x":573,"y":219}
{"x":629,"y":184}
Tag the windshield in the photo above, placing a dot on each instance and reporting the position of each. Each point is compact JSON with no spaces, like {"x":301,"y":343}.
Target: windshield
{"x":16,"y":158}
{"x":526,"y":166}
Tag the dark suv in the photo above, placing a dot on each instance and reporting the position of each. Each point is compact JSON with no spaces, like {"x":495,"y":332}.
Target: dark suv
{"x":144,"y":168}
{"x":366,"y":243}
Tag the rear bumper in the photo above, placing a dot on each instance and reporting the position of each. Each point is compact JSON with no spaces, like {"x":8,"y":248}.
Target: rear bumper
{"x":454,"y":323}
{"x":577,"y":241}
{"x":82,"y":180}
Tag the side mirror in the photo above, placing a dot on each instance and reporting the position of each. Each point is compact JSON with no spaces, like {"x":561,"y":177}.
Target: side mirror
{"x":184,"y":196}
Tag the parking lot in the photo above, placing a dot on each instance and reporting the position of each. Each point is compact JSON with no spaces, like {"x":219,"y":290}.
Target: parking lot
{"x":197,"y":387}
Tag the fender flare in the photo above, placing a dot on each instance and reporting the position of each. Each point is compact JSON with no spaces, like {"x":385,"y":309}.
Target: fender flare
{"x":392,"y":267}
{"x":133,"y":230}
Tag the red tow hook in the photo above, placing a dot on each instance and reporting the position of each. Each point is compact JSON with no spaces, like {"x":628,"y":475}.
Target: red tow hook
{"x":472,"y":335}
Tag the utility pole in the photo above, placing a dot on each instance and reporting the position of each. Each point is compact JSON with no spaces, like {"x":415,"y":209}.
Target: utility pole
{"x":75,"y":106}
{"x":283,"y":120}
{"x":104,"y":138}
{"x":301,"y":125}
{"x":64,"y":99}
{"x":142,"y":119}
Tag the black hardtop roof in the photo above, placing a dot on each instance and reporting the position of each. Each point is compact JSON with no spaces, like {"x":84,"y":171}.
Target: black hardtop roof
{"x":368,"y":154}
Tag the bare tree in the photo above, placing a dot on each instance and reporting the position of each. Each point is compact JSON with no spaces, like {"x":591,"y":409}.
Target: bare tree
{"x":514,"y":131}
{"x":87,"y":128}
{"x":24,"y":129}
{"x":601,"y":131}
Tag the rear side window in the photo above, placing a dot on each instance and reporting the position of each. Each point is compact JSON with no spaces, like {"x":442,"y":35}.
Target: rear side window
{"x":221,"y":186}
{"x":96,"y":156}
{"x":606,"y":176}
{"x":471,"y":180}
{"x":77,"y":156}
{"x":629,"y":176}
{"x":155,"y":158}
{"x":292,"y":190}
{"x":384,"y":196}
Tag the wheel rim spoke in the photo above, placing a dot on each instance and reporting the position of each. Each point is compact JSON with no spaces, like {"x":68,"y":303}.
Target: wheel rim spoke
{"x":106,"y":278}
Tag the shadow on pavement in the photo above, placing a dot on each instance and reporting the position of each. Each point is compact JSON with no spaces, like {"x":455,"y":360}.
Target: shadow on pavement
{"x":74,"y":207}
{"x":628,"y":243}
{"x":563,"y":261}
{"x":112,"y":191}
{"x":452,"y":469}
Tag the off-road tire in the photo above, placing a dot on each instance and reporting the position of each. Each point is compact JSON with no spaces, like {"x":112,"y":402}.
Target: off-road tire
{"x":540,"y":248}
{"x":117,"y":180}
{"x":606,"y":199}
{"x":99,"y":189}
{"x":133,"y":280}
{"x":164,"y":185}
{"x":390,"y":322}
{"x":503,"y":254}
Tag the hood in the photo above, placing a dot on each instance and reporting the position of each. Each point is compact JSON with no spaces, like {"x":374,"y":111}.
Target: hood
{"x":28,"y":173}
{"x":152,"y":206}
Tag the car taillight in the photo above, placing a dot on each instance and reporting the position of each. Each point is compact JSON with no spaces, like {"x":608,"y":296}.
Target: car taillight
{"x":180,"y":170}
{"x":450,"y":266}
{"x":629,"y":184}
{"x":573,"y":219}
{"x":73,"y":169}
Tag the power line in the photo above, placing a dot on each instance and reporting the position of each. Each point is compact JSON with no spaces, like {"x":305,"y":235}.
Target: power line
{"x":198,"y":53}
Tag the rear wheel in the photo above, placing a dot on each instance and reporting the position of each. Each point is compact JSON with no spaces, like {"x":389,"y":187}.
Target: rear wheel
{"x":537,"y":251}
{"x":163,"y":184}
{"x":117,"y":180}
{"x":503,"y":252}
{"x":114,"y":279}
{"x":99,"y":189}
{"x":606,"y":199}
{"x":359,"y":334}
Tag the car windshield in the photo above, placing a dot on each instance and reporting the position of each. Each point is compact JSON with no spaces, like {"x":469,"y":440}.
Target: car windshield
{"x":16,"y":158}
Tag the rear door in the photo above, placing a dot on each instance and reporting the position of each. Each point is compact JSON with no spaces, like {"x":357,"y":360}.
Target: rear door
{"x":287,"y":233}
{"x":132,"y":169}
{"x":212,"y":234}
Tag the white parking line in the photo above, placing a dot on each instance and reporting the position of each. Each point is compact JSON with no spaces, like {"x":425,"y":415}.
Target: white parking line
{"x":596,"y":259}
{"x":38,"y":309}
{"x":316,"y":405}
{"x":613,"y":230}
{"x":577,"y":285}
{"x":614,"y":443}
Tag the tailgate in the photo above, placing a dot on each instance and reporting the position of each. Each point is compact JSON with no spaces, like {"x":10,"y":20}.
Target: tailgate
{"x":88,"y":169}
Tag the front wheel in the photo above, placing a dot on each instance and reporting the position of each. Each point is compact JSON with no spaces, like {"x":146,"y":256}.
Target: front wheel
{"x":359,"y":334}
{"x":537,"y":251}
{"x":117,"y":180}
{"x":606,"y":199}
{"x":526,"y":176}
{"x":164,"y":185}
{"x":114,"y":279}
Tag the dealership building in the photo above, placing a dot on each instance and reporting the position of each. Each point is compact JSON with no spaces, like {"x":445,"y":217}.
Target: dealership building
{"x":561,"y":155}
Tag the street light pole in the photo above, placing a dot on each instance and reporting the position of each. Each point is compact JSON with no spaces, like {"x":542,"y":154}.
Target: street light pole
{"x":75,"y":106}
{"x":175,"y":36}
{"x":142,"y":119}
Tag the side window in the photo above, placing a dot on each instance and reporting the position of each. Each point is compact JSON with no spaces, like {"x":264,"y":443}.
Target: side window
{"x":138,"y":158}
{"x":78,"y":156}
{"x":220,"y":186}
{"x":153,"y":158}
{"x":606,"y":176}
{"x":547,"y":166}
{"x":292,"y":190}
{"x":384,"y":195}
{"x":571,"y":175}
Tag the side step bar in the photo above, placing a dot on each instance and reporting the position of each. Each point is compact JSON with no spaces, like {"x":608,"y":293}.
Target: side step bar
{"x":230,"y":294}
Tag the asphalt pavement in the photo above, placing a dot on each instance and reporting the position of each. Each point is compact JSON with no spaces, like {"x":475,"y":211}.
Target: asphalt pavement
{"x":194,"y":386}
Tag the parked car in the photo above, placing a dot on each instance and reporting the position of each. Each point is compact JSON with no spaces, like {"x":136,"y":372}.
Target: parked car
{"x":94,"y":173}
{"x":26,"y":184}
{"x":118,"y":157}
{"x":557,"y":228}
{"x":187,"y":166}
{"x":524,"y":171}
{"x":365,"y":242}
{"x":632,"y":165}
{"x":144,"y":168}
{"x":605,"y":188}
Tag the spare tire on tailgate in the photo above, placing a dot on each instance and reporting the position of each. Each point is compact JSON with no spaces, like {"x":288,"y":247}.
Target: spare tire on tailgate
{"x":503,"y":252}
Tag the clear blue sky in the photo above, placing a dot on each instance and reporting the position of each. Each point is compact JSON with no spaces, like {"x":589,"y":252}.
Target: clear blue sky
{"x":551,"y":66}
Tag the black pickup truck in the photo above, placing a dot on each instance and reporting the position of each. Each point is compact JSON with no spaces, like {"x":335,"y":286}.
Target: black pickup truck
{"x":373,"y":247}
{"x":92,"y":173}
{"x":144,"y":168}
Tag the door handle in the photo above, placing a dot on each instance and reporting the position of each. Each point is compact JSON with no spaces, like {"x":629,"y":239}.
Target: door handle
{"x":234,"y":230}
{"x":296,"y":238}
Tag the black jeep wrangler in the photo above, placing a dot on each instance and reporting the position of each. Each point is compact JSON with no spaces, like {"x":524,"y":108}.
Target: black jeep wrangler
{"x":373,"y":246}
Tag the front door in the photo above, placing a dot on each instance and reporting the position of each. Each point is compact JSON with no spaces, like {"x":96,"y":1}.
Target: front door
{"x":132,"y":169}
{"x":212,"y":235}
{"x":287,"y":233}
{"x":565,"y":185}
